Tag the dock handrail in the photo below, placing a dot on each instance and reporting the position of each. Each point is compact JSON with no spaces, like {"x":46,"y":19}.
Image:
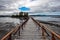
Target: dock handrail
{"x":13,"y":31}
{"x":44,"y":28}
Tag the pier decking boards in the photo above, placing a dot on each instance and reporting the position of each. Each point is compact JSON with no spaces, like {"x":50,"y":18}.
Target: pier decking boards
{"x":31,"y":31}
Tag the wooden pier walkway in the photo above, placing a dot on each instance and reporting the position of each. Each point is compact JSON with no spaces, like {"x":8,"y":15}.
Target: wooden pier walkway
{"x":31,"y":31}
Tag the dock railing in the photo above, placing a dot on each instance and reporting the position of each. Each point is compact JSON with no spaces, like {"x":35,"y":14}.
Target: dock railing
{"x":8,"y":36}
{"x":54,"y":35}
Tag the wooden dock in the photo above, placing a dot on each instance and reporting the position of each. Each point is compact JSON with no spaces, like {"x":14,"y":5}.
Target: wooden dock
{"x":32,"y":30}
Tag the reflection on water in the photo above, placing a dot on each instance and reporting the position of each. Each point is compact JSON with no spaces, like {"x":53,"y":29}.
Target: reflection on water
{"x":9,"y":19}
{"x":47,"y":18}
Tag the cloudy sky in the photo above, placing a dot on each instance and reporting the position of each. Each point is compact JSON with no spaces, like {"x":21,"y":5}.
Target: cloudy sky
{"x":10,"y":6}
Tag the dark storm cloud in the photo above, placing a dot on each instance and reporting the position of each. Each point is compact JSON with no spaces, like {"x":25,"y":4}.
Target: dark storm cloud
{"x":6,"y":4}
{"x":2,"y":7}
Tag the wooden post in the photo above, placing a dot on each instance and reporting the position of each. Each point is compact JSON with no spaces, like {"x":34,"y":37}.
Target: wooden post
{"x":22,"y":26}
{"x":10,"y":37}
{"x":19,"y":31}
{"x":53,"y":38}
{"x":42,"y":31}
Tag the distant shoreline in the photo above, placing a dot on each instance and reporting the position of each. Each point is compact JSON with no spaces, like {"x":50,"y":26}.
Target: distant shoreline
{"x":54,"y":16}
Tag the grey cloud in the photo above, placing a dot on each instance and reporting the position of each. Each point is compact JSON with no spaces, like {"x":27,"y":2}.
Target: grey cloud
{"x":7,"y":1}
{"x":51,"y":6}
{"x":2,"y":7}
{"x":5,"y":5}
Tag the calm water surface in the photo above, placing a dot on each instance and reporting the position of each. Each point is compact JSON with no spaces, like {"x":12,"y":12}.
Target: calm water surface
{"x":47,"y":18}
{"x":17,"y":20}
{"x":10,"y":20}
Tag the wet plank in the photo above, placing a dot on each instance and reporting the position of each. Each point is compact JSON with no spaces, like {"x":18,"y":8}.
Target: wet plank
{"x":31,"y":31}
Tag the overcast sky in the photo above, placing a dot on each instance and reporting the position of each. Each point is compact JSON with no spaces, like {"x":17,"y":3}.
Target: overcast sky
{"x":10,"y":6}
